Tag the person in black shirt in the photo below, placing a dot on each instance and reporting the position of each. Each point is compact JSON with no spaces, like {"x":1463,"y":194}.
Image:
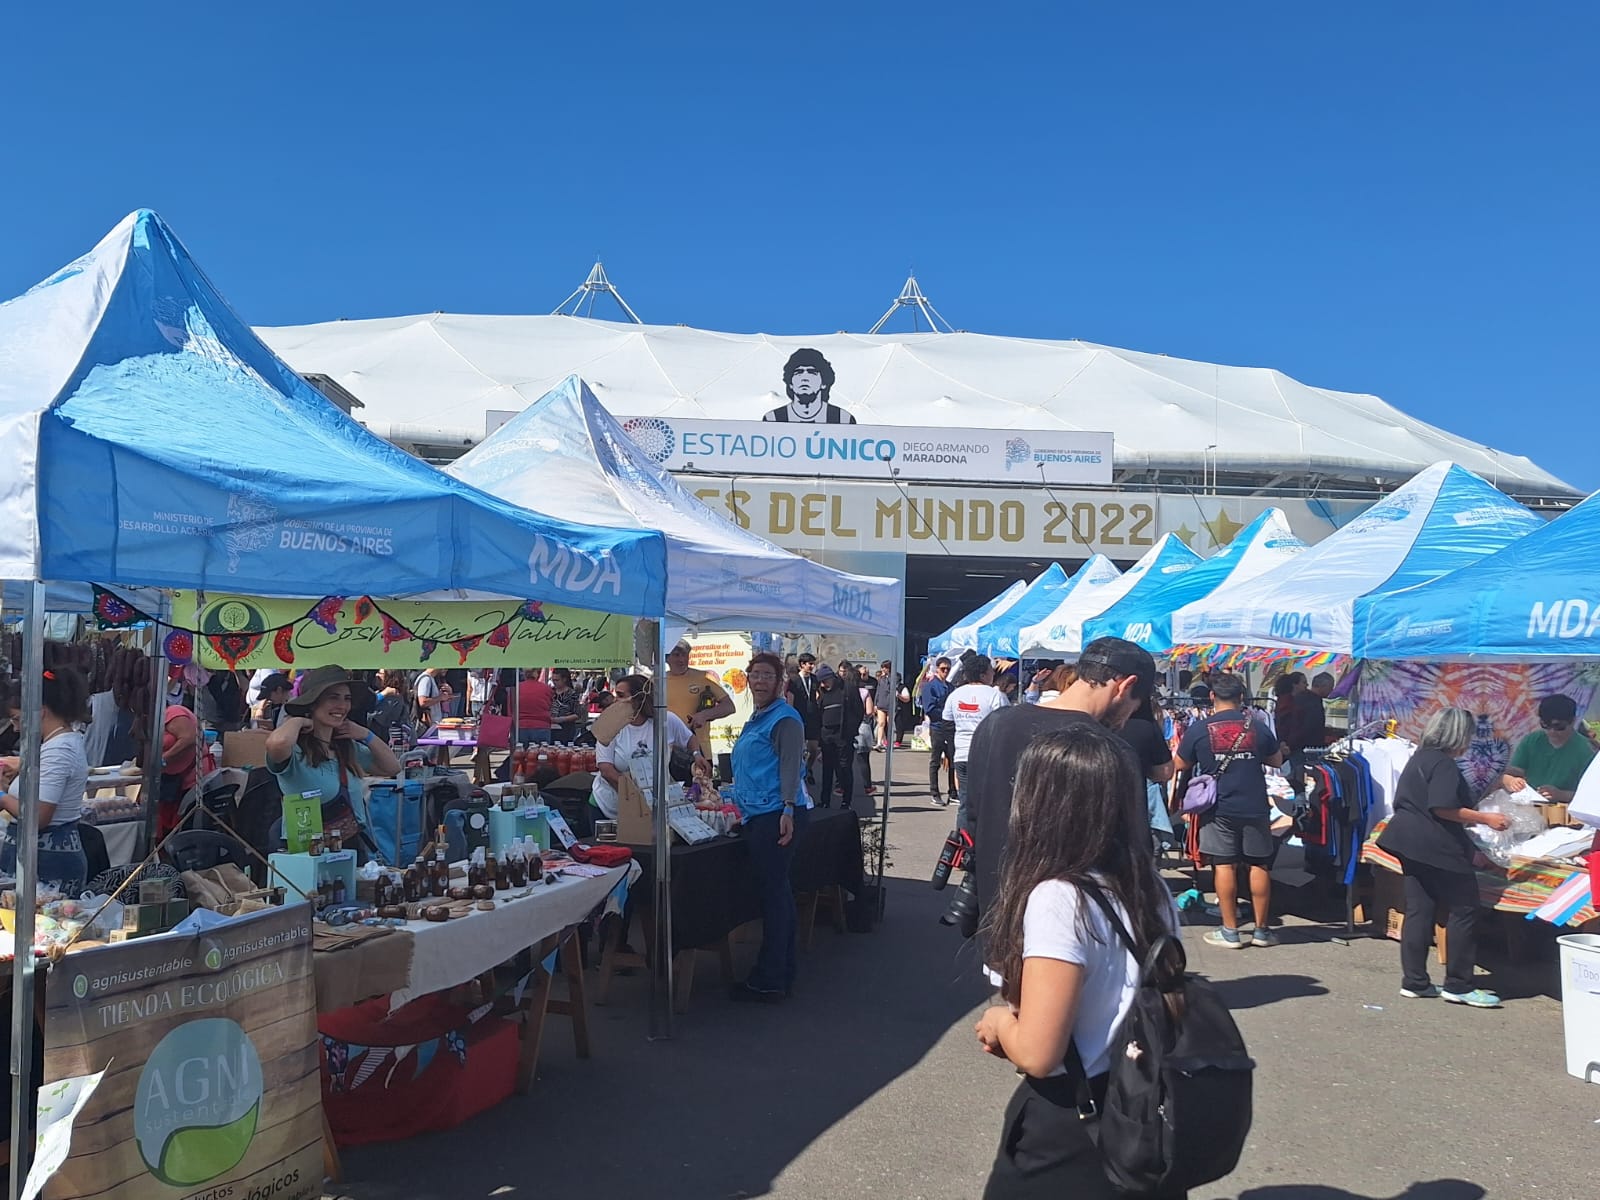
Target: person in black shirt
{"x":1232,"y":746}
{"x":803,"y":688}
{"x":840,"y":714}
{"x":1114,"y":677}
{"x":1428,"y":834}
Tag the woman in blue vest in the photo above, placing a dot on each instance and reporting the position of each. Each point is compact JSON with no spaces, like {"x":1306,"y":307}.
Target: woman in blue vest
{"x":767,"y":761}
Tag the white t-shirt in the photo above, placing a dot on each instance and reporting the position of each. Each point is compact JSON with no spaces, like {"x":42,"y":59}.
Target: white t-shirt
{"x":632,"y":751}
{"x":1110,"y":975}
{"x":966,"y":706}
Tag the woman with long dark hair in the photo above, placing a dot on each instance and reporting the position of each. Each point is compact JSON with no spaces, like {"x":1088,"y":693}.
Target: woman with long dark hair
{"x":63,"y":776}
{"x":1078,"y":839}
{"x":317,"y":747}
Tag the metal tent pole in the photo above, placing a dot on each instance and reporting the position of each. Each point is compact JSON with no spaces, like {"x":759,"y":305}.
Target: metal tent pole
{"x":154,"y":759}
{"x":661,"y":977}
{"x":23,"y":1084}
{"x":888,"y":762}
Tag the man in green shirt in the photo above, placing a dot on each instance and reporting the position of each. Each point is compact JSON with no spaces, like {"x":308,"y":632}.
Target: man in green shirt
{"x":1553,"y":760}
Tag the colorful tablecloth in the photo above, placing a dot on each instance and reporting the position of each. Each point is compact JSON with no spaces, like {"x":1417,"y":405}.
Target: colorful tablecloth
{"x":1528,"y":885}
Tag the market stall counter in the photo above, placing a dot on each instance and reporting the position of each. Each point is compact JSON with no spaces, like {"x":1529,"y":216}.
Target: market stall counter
{"x":1554,"y":889}
{"x":714,"y":889}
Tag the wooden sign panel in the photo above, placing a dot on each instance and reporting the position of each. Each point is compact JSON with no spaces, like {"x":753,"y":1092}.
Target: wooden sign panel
{"x":213,"y":1085}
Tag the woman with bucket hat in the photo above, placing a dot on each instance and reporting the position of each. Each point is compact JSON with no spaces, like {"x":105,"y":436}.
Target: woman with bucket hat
{"x":316,"y":747}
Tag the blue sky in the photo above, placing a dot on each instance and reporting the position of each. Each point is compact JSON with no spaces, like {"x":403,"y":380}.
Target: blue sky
{"x":1373,"y":197}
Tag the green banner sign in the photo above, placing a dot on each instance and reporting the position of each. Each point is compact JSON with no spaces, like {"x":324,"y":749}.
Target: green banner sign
{"x":257,"y":632}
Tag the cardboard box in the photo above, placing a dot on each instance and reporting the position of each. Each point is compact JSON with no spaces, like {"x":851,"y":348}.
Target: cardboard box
{"x":244,"y":748}
{"x":1388,"y":915}
{"x":1558,"y":814}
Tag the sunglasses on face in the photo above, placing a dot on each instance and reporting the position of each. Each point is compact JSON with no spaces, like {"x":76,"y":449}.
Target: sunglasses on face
{"x":1556,"y":726}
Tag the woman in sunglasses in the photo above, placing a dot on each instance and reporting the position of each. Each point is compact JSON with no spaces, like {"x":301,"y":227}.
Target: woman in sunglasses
{"x":1552,"y":760}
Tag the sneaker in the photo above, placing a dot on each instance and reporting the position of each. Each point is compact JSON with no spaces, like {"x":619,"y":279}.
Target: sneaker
{"x":1476,"y":998}
{"x":1428,"y":993}
{"x":1264,"y":937}
{"x":941,"y":801}
{"x":1228,"y":939}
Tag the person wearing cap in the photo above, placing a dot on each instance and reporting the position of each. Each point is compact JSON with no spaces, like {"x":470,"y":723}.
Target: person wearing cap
{"x":693,"y":696}
{"x":316,"y":747}
{"x":268,"y":710}
{"x":1232,"y":746}
{"x":1112,"y":679}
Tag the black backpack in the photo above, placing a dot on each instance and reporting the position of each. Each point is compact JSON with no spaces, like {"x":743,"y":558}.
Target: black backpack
{"x":1177,"y":1107}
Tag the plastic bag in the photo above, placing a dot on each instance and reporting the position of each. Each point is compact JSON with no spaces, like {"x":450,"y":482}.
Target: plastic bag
{"x":1499,"y":844}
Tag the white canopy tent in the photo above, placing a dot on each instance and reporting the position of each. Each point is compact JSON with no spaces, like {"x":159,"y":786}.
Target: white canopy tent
{"x":1060,"y":635}
{"x":1441,"y":521}
{"x":434,"y":378}
{"x":565,"y":456}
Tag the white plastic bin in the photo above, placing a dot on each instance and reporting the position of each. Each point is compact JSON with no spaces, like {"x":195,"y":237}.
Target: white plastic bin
{"x":1580,"y":1003}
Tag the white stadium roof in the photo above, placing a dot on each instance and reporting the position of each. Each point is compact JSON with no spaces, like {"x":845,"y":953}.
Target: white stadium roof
{"x":434,"y":379}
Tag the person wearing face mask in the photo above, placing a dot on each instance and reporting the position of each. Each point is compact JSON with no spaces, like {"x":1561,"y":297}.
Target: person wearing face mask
{"x":632,"y":750}
{"x":1113,"y":678}
{"x":316,"y":747}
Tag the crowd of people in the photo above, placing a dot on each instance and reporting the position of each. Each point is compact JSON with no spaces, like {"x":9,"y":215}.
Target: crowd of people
{"x":1066,"y":796}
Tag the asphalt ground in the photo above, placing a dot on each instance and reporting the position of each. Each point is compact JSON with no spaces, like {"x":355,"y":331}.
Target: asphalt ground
{"x":869,"y":1083}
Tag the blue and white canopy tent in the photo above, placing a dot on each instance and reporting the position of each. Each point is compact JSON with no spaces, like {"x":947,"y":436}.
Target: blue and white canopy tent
{"x":945,"y":643}
{"x":1144,"y":615}
{"x":1534,"y":599}
{"x":1443,"y":519}
{"x":151,"y":439}
{"x":566,"y":456}
{"x":1060,"y":634}
{"x":998,"y":636}
{"x":968,"y":635}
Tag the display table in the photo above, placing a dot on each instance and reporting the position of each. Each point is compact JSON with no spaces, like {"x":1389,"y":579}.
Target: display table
{"x":714,"y":891}
{"x":423,"y":956}
{"x":1521,"y":888}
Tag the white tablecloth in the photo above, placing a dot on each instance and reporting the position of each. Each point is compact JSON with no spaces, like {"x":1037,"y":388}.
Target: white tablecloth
{"x":444,"y":955}
{"x":122,"y":840}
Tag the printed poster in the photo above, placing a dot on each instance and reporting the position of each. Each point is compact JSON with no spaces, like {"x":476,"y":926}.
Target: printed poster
{"x":724,"y":656}
{"x":575,"y":638}
{"x":209,"y":1046}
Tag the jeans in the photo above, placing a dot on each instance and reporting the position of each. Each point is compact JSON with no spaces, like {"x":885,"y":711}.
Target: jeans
{"x":533,"y":737}
{"x":963,"y":817}
{"x":1456,"y":893}
{"x":942,"y":742}
{"x":775,"y":963}
{"x":837,"y":761}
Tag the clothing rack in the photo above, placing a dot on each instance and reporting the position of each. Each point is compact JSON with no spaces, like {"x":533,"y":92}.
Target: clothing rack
{"x":1368,"y":730}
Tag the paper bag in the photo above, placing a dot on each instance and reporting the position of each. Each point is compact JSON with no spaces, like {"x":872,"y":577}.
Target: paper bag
{"x":302,"y":820}
{"x":634,"y":823}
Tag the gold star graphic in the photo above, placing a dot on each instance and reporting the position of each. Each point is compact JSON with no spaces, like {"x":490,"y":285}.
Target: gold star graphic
{"x":1222,"y":528}
{"x":1185,"y":535}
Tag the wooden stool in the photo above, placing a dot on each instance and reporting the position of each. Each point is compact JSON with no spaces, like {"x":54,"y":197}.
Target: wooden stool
{"x":833,"y":898}
{"x":575,"y":1006}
